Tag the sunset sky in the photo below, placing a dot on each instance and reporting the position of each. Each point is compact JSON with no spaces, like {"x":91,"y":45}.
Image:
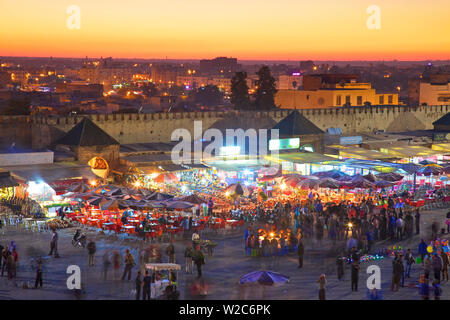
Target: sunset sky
{"x":246,"y":29}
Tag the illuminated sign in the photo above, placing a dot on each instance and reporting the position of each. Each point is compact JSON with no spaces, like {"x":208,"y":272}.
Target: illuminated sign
{"x":284,"y":144}
{"x":230,"y":151}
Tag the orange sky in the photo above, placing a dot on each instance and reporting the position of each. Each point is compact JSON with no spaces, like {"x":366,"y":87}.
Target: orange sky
{"x":246,"y":29}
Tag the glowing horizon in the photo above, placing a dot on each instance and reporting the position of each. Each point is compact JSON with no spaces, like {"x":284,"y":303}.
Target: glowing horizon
{"x":249,"y":30}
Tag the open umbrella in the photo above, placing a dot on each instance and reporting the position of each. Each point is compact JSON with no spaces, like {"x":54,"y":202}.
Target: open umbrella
{"x":111,"y":204}
{"x":329,"y":183}
{"x":96,"y":201}
{"x":179,"y":205}
{"x":410,"y":168}
{"x":265,"y":278}
{"x":430,"y":171}
{"x":357,"y":182}
{"x":81,"y":187}
{"x":426,"y":162}
{"x":391,"y":176}
{"x":157,"y":204}
{"x":383,"y":184}
{"x":159,"y":196}
{"x":238,"y":189}
{"x":193,"y":198}
{"x":370,"y":177}
{"x":308,"y":184}
{"x":335,"y":174}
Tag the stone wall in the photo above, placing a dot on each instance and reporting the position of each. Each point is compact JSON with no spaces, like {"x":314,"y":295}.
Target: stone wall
{"x":140,"y":128}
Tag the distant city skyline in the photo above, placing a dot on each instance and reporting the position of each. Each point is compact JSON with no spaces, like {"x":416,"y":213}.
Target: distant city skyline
{"x":249,"y":30}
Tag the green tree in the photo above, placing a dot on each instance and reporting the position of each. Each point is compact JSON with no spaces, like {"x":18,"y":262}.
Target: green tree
{"x":265,"y":93}
{"x":239,"y":91}
{"x":17,"y":107}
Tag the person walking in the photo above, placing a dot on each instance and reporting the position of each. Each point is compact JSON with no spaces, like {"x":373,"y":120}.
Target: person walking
{"x":428,"y":267}
{"x":106,"y":264}
{"x":355,"y":275}
{"x":138,"y":283}
{"x":340,"y":266}
{"x":424,"y":287}
{"x":116,"y":264}
{"x":417,"y":218}
{"x":322,"y":284}
{"x":170,"y":251}
{"x":129,"y":264}
{"x":300,"y":252}
{"x":6,"y":253}
{"x":188,"y":254}
{"x":199,"y":260}
{"x":38,"y":274}
{"x":54,"y":244}
{"x":91,"y":248}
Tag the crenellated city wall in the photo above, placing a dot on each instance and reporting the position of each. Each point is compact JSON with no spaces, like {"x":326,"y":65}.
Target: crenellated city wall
{"x":40,"y":131}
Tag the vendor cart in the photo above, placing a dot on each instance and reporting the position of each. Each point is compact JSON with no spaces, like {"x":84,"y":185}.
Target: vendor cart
{"x":159,"y":286}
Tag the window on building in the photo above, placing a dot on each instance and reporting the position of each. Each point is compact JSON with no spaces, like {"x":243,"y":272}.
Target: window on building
{"x":338,"y":100}
{"x":381,"y":100}
{"x":347,"y":99}
{"x":390,"y":99}
{"x":359,"y":100}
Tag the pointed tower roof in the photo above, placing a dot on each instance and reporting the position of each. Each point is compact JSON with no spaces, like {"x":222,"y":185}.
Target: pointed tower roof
{"x":295,"y":124}
{"x":87,"y":133}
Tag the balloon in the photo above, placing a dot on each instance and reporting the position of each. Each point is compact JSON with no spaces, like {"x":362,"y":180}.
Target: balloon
{"x":429,"y":249}
{"x":418,"y":260}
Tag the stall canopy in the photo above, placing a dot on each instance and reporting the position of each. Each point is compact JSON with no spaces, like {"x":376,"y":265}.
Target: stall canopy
{"x":61,"y":177}
{"x":360,"y":153}
{"x":409,"y":151}
{"x":6,"y":180}
{"x":444,"y":148}
{"x":299,"y":157}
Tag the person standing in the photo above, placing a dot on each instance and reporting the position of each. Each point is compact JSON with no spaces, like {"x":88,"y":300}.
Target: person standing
{"x":38,"y":274}
{"x":445,"y":263}
{"x":92,"y":248}
{"x":170,"y":251}
{"x":138,"y":283}
{"x":437,"y":266}
{"x":300,"y":252}
{"x":355,"y":275}
{"x":54,"y":244}
{"x":409,"y":262}
{"x":146,"y":284}
{"x":188,"y":253}
{"x":417,"y":218}
{"x":448,"y":222}
{"x":322,"y":284}
{"x":422,"y":249}
{"x":1,"y":254}
{"x":437,"y":290}
{"x":129,"y":264}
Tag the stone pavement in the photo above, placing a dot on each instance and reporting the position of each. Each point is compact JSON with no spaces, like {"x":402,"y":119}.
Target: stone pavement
{"x":221,"y":272}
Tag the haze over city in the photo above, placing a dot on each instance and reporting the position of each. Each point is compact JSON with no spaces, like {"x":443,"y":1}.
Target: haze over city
{"x":249,"y":30}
